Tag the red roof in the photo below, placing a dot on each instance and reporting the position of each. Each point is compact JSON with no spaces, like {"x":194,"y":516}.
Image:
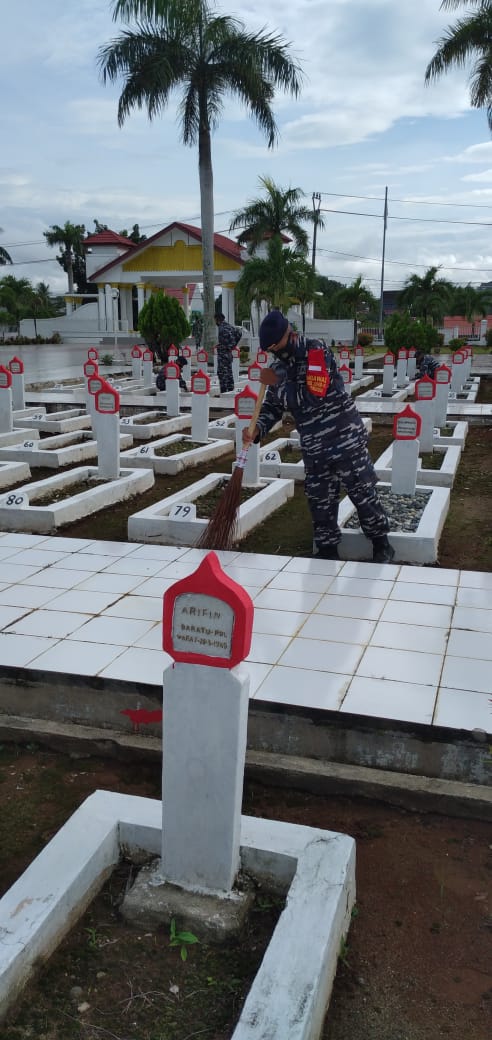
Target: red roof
{"x":223,"y":244}
{"x":104,"y":238}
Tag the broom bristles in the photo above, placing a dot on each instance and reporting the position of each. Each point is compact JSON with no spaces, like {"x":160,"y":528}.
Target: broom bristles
{"x":221,"y":530}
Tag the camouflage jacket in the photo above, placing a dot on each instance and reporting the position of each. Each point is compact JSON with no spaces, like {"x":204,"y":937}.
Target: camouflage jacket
{"x":228,"y":336}
{"x":330,"y":424}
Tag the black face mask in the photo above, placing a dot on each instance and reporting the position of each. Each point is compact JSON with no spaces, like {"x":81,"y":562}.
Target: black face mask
{"x":287,"y":352}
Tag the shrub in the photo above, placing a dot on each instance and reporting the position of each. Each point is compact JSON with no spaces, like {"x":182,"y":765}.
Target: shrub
{"x":488,"y":337}
{"x":457,"y":342}
{"x":162,"y":322}
{"x":107,"y":359}
{"x":403,"y":331}
{"x":364,"y":339}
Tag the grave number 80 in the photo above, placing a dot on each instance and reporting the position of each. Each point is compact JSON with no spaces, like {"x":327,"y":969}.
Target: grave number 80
{"x":15,"y":500}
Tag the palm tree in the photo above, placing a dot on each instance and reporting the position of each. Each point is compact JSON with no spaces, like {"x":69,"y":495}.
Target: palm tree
{"x":15,"y":297}
{"x":69,"y":238}
{"x":271,"y":278}
{"x":281,"y":210}
{"x":177,"y":44}
{"x":470,"y":302}
{"x":5,"y":257}
{"x":354,"y":299}
{"x":469,"y":40}
{"x":426,"y":295}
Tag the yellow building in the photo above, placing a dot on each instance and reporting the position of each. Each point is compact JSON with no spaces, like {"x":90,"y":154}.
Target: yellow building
{"x":171,"y":261}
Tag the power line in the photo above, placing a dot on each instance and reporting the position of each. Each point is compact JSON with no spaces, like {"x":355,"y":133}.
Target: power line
{"x":407,"y":202}
{"x":420,"y":220}
{"x":404,"y":263}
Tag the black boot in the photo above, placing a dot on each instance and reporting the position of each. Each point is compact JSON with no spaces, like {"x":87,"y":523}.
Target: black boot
{"x":382,"y":551}
{"x":327,"y":552}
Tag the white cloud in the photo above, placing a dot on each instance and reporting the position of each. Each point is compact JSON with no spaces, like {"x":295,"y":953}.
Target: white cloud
{"x":364,"y":121}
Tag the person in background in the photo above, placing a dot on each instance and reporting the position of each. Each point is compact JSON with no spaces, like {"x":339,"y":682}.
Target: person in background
{"x":228,"y":337}
{"x":426,"y":365}
{"x":160,"y":381}
{"x":304,"y":380}
{"x":197,"y":331}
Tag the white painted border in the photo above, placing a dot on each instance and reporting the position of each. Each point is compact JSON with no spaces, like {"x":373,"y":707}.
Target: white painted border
{"x":291,"y":990}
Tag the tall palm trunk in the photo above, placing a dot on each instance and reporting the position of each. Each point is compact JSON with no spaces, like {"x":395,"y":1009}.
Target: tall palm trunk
{"x":207,"y":216}
{"x":69,"y":270}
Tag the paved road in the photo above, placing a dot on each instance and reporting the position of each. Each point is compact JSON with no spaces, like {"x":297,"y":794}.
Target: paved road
{"x":53,"y":361}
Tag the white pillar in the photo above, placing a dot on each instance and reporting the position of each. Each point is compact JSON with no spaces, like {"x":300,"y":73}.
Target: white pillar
{"x":108,"y":446}
{"x":101,"y":309}
{"x":186,"y":300}
{"x":251,"y":471}
{"x":172,"y":395}
{"x":140,"y":296}
{"x":200,"y":416}
{"x":404,"y":464}
{"x":401,"y":369}
{"x":425,"y":408}
{"x":206,"y":713}
{"x":388,"y":378}
{"x":228,"y":302}
{"x":5,"y":406}
{"x":18,"y":396}
{"x":108,"y":295}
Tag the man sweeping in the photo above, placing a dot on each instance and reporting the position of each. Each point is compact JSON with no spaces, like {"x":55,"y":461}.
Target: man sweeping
{"x":304,"y":380}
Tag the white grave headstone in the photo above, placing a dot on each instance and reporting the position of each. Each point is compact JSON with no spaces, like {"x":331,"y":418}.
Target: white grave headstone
{"x":200,"y":405}
{"x":244,"y":405}
{"x":388,"y":374}
{"x":172,"y":374}
{"x":207,"y":627}
{"x":18,"y":397}
{"x":405,"y":455}
{"x":5,"y":400}
{"x":108,"y":432}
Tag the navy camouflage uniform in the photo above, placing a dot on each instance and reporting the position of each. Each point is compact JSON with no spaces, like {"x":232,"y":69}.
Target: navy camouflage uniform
{"x":228,"y":337}
{"x":333,"y":442}
{"x":426,"y":366}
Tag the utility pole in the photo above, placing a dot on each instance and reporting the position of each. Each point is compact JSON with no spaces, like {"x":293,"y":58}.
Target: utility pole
{"x":385,"y":224}
{"x":316,"y":208}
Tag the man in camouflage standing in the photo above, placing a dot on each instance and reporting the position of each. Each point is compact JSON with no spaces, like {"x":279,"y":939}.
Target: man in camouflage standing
{"x":304,"y":380}
{"x":228,"y":337}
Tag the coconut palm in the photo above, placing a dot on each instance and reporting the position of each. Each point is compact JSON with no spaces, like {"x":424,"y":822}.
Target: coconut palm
{"x":426,"y":296}
{"x":281,"y":210}
{"x":468,"y":41}
{"x":271,"y":278}
{"x":184,"y":45}
{"x":5,"y":257}
{"x":69,"y":238}
{"x":470,"y":302}
{"x":354,"y":299}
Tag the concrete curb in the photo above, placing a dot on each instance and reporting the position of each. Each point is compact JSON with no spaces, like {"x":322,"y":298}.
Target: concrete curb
{"x":412,"y":792}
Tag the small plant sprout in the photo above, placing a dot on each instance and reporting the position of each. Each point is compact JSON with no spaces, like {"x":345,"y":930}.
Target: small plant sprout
{"x":181,"y":939}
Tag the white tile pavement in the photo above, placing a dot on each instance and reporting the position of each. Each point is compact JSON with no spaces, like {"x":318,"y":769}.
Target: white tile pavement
{"x":393,"y":642}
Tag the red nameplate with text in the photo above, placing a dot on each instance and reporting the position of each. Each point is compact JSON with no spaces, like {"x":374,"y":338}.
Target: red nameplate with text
{"x":317,"y":375}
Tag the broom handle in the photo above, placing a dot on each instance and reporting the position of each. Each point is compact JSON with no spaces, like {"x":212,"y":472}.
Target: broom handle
{"x":241,"y":459}
{"x":257,"y":409}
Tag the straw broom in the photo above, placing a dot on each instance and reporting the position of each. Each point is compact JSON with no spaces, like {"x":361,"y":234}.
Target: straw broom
{"x":221,"y":530}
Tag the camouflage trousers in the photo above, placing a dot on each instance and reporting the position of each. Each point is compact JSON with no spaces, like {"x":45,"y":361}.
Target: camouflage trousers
{"x":224,"y":370}
{"x":322,"y":486}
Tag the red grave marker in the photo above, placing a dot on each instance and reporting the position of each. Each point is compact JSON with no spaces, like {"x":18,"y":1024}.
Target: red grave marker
{"x":207,"y":618}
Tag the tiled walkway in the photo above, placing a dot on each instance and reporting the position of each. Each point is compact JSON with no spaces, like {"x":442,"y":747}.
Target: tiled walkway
{"x":389,"y":641}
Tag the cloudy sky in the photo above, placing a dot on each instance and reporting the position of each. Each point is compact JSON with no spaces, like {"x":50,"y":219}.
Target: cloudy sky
{"x":365,"y":121}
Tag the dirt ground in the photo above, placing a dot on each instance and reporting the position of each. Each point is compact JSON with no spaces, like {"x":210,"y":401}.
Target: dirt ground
{"x":416,"y":964}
